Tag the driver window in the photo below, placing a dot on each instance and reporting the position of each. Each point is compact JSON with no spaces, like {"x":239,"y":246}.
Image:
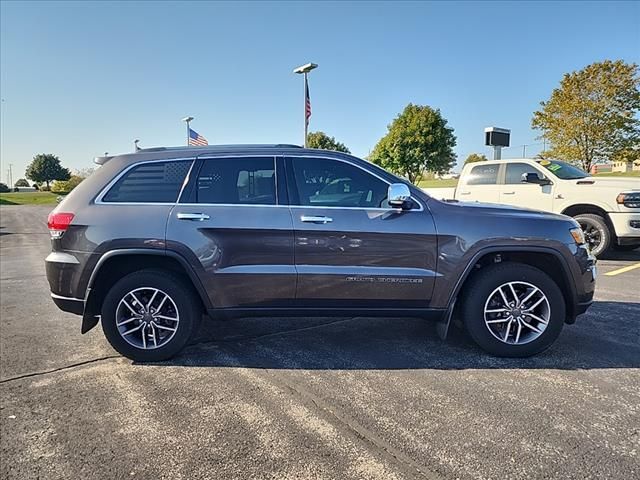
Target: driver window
{"x":516,"y":170}
{"x":324,"y":182}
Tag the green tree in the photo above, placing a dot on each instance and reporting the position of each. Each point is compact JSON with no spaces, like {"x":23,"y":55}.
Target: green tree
{"x":593,"y":114}
{"x":324,"y":142}
{"x":21,"y":182}
{"x":65,"y":186}
{"x":46,"y":167}
{"x":417,"y":140}
{"x":475,"y":157}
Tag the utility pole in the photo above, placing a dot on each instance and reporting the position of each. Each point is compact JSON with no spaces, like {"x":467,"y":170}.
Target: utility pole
{"x":10,"y":176}
{"x":524,"y":151}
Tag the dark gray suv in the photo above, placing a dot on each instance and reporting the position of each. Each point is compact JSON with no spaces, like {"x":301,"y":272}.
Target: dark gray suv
{"x":154,"y":239}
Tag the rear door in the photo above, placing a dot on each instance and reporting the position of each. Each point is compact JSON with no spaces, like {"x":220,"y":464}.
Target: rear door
{"x":235,"y":228}
{"x":351,"y":249}
{"x":480,"y":184}
{"x":522,"y":194}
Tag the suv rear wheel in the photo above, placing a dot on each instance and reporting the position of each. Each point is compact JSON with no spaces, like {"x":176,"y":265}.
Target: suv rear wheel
{"x":150,"y":315}
{"x":513,"y":310}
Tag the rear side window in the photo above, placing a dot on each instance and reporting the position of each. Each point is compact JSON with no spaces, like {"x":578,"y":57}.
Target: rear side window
{"x":238,"y":181}
{"x":483,"y":175}
{"x":153,"y":182}
{"x":516,"y":170}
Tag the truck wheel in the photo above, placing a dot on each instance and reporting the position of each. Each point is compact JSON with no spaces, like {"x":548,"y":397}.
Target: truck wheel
{"x":513,"y":310}
{"x":596,"y":232}
{"x":150,"y":315}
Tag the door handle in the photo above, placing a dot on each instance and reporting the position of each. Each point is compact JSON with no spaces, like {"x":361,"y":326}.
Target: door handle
{"x":508,"y":193}
{"x":465,"y":193}
{"x":315,"y":219}
{"x":193,"y":216}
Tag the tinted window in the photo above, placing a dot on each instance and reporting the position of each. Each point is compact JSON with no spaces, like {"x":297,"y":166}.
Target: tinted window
{"x":331,"y":183}
{"x":250,"y":181}
{"x":483,"y":175}
{"x":155,"y":182}
{"x":516,"y":170}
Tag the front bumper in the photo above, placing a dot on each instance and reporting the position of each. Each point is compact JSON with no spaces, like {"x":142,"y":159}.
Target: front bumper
{"x":626,"y":226}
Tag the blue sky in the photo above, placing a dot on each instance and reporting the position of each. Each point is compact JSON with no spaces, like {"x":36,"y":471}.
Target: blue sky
{"x":82,"y":78}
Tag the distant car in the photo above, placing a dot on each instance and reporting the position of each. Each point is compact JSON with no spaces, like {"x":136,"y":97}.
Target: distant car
{"x":607,"y":208}
{"x":155,"y":238}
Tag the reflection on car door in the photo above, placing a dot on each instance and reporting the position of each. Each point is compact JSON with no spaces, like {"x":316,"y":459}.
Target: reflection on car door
{"x":351,"y":250}
{"x":522,"y":194}
{"x":233,"y":228}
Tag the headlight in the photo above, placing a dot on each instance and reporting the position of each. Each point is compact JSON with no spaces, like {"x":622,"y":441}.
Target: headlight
{"x":629,"y":199}
{"x":578,"y":236}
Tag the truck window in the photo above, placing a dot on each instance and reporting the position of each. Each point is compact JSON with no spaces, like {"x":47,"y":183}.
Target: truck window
{"x":516,"y":170}
{"x":483,"y":175}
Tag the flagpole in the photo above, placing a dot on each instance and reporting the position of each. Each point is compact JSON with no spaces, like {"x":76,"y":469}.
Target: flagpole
{"x":305,"y":69}
{"x":187,"y":120}
{"x":306,"y":122}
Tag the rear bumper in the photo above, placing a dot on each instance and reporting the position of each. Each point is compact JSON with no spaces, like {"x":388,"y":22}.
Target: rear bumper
{"x":68,"y":304}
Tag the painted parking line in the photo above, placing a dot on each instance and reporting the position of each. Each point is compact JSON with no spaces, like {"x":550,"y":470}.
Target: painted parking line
{"x":622,"y":270}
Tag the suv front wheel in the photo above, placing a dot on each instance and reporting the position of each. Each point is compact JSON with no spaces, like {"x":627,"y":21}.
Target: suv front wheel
{"x":150,"y":315}
{"x":513,"y":310}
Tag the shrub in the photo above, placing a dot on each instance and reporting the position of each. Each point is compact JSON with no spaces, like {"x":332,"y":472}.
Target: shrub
{"x":65,"y":186}
{"x":4,"y":188}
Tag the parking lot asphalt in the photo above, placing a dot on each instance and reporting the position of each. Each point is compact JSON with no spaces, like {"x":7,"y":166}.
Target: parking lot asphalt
{"x":352,"y":398}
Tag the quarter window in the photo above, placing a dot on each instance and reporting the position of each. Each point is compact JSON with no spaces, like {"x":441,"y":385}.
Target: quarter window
{"x":516,"y":170}
{"x":483,"y":175}
{"x":330,"y":183}
{"x":242,"y":181}
{"x":153,"y":182}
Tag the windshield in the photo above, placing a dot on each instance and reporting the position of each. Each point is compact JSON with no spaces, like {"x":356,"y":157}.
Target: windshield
{"x":563,"y":170}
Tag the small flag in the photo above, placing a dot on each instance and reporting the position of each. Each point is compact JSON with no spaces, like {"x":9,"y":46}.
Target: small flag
{"x":307,"y":104}
{"x":196,"y":139}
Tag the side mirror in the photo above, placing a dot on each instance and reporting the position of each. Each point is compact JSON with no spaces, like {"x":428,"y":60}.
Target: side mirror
{"x":535,"y":178}
{"x":399,"y":195}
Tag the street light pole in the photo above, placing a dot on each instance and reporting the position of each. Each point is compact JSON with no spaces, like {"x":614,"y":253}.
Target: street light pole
{"x":187,"y":120}
{"x":305,"y":69}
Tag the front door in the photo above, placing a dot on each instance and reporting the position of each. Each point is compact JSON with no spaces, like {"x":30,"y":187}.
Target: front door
{"x":351,"y":249}
{"x":231,"y":226}
{"x":522,"y":194}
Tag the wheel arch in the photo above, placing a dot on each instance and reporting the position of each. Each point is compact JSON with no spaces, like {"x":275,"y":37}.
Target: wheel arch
{"x":580,"y":208}
{"x":117,"y":263}
{"x":546,"y":259}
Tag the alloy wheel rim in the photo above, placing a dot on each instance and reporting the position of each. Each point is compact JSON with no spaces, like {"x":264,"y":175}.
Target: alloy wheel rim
{"x":147,"y":318}
{"x":517,"y":313}
{"x":592,"y":235}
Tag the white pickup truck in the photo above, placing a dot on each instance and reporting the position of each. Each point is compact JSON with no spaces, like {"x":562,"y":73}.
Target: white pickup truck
{"x":607,"y":208}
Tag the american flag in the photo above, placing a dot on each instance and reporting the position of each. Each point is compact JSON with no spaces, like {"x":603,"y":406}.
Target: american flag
{"x":196,"y":139}
{"x":307,"y":104}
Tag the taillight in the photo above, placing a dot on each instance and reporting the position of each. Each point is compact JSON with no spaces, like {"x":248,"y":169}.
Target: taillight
{"x":58,"y":223}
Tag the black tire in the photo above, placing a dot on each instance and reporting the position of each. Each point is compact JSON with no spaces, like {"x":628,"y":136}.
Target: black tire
{"x":481,"y":286}
{"x":596,"y":232}
{"x":187,"y":304}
